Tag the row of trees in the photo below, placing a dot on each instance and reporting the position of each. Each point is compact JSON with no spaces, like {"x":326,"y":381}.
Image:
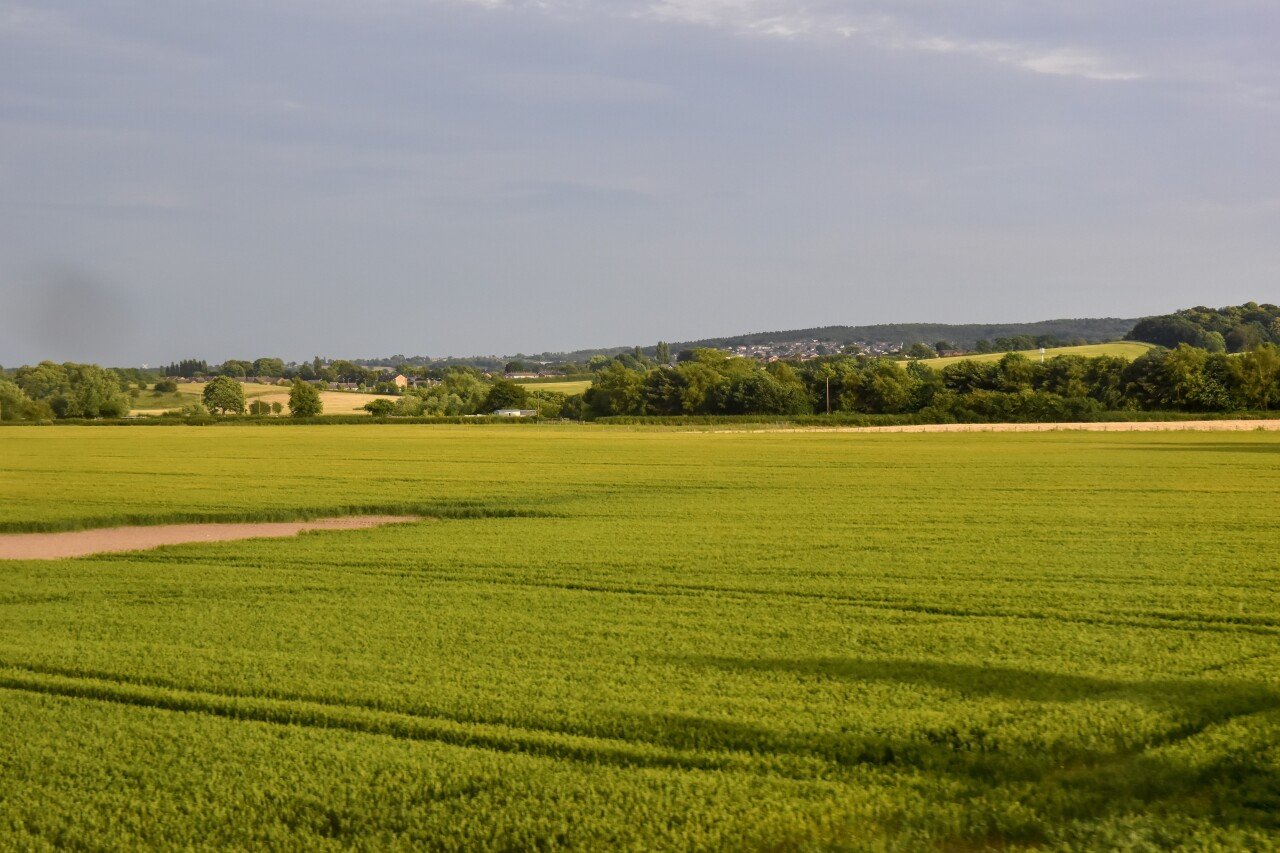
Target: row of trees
{"x":223,"y":395}
{"x":1013,"y":388}
{"x":69,"y":390}
{"x":1024,"y":342}
{"x":466,"y":391}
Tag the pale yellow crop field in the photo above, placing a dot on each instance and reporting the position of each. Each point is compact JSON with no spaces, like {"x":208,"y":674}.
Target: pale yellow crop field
{"x":335,"y":402}
{"x":1126,"y":349}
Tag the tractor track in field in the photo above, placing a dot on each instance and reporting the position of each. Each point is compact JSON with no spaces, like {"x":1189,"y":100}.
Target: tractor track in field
{"x":1065,"y":426}
{"x":360,"y":719}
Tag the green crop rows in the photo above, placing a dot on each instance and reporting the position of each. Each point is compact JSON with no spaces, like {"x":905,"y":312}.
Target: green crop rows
{"x":612,"y":638}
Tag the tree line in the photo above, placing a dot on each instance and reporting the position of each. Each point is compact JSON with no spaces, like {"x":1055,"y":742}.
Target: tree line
{"x":712,"y":382}
{"x":1014,"y":388}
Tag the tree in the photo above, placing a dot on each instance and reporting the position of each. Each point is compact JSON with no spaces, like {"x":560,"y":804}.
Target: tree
{"x":921,"y":350}
{"x":235,"y":367}
{"x":410,"y":405}
{"x":13,"y":402}
{"x":380,"y":408}
{"x":505,"y":394}
{"x":663,"y":353}
{"x":268,"y":367}
{"x":1245,"y":337}
{"x":304,"y":400}
{"x":1257,"y":374}
{"x":260,"y":408}
{"x":276,"y":407}
{"x":1168,"y":331}
{"x":1214,"y":342}
{"x":616,"y":390}
{"x":166,"y":386}
{"x":224,"y":395}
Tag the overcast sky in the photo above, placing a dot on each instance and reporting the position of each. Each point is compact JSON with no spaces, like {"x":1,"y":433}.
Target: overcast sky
{"x":368,"y":177}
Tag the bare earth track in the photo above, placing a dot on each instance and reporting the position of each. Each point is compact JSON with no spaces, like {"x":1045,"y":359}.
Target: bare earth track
{"x":81,"y":543}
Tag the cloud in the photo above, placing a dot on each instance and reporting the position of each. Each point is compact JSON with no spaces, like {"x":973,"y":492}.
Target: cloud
{"x":797,"y":20}
{"x":1060,"y":61}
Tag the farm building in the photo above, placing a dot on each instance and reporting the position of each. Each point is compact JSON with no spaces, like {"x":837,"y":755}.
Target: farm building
{"x":516,"y":413}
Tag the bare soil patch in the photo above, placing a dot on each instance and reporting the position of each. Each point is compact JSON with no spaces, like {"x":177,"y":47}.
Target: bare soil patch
{"x":81,"y":543}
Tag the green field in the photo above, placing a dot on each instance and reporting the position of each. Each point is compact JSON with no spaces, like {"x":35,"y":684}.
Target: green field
{"x":573,"y":386}
{"x":1126,"y":349}
{"x":149,"y":402}
{"x":614,"y":638}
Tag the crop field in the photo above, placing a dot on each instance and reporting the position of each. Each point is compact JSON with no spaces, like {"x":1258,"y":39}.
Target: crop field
{"x":573,"y":386}
{"x":335,"y":402}
{"x":190,"y":392}
{"x":646,"y":638}
{"x":1126,"y":349}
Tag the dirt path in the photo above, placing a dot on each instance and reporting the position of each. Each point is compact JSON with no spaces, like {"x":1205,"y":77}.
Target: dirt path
{"x":80,"y":543}
{"x":1116,"y":426}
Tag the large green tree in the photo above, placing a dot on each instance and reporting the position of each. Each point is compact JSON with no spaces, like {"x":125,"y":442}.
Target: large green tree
{"x":505,"y":394}
{"x":224,"y":395}
{"x":13,"y":403}
{"x":268,"y":367}
{"x":380,"y":408}
{"x":304,"y":400}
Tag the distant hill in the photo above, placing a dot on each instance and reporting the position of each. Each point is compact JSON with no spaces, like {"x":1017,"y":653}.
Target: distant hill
{"x":1123,"y":349}
{"x":1094,"y":331}
{"x":963,"y":336}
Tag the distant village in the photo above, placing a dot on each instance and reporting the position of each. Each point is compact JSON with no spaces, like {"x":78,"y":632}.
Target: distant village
{"x":361,"y":375}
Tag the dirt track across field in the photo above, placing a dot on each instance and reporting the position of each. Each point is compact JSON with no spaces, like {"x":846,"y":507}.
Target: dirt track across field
{"x":81,"y":543}
{"x":1116,"y":426}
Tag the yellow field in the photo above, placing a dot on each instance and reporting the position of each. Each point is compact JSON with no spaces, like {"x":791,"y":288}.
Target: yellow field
{"x":335,"y":402}
{"x":570,"y":387}
{"x":1127,"y":349}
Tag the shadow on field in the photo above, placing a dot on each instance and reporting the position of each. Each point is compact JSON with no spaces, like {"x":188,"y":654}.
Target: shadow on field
{"x":1230,"y":775}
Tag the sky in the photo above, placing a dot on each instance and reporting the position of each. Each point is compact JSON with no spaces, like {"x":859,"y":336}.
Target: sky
{"x":356,"y":178}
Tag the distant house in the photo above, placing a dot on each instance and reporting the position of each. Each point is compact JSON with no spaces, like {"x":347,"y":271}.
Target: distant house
{"x":516,"y":413}
{"x":401,"y":381}
{"x":523,"y":375}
